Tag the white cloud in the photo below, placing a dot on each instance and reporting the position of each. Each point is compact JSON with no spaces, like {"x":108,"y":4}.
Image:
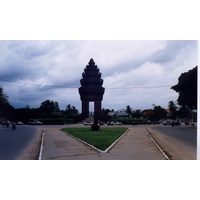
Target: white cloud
{"x":149,"y":74}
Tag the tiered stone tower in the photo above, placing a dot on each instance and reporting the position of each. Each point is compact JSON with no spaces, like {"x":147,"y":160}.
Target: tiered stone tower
{"x":91,"y":89}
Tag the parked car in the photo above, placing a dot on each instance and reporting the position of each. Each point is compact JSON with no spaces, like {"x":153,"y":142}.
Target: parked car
{"x":87,"y":123}
{"x":101,"y":123}
{"x":35,"y":122}
{"x":114,"y":123}
{"x":167,"y":122}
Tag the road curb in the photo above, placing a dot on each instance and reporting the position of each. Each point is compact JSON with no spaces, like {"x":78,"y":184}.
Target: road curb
{"x":42,"y":144}
{"x":167,"y":158}
{"x":111,"y":146}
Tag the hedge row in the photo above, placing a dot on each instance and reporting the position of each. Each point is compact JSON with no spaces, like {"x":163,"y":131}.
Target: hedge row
{"x":56,"y":121}
{"x":133,"y":121}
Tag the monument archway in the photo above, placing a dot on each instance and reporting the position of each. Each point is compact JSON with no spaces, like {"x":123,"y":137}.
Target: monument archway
{"x":91,"y":89}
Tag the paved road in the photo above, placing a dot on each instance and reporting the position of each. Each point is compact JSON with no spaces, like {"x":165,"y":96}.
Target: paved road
{"x":180,"y":142}
{"x":185,"y":134}
{"x":134,"y":145}
{"x":15,"y":144}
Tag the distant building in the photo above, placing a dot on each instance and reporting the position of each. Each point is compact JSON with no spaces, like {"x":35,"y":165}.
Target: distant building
{"x":112,"y":114}
{"x":122,"y":113}
{"x":169,"y":113}
{"x":147,"y":113}
{"x":119,"y":113}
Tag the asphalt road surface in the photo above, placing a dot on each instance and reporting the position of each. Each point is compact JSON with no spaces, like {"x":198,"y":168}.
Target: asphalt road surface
{"x":179,"y":142}
{"x":13,"y":144}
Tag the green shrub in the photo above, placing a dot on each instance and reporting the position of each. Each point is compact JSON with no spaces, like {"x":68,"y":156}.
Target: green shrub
{"x":56,"y":121}
{"x":132,"y":121}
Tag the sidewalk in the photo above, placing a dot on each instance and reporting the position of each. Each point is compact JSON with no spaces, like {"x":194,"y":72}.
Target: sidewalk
{"x":134,"y":145}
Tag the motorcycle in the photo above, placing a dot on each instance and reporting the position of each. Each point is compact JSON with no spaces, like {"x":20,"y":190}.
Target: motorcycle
{"x":13,"y":127}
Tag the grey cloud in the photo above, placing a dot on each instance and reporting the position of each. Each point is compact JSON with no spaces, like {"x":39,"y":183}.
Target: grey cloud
{"x":25,"y":50}
{"x":34,"y":66}
{"x":173,"y":49}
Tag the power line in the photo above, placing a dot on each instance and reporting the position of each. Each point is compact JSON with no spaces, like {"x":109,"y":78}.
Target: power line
{"x":37,"y":84}
{"x":67,"y":87}
{"x":141,"y":87}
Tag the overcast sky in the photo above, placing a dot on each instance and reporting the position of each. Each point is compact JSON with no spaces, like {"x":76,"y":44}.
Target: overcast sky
{"x":135,"y":73}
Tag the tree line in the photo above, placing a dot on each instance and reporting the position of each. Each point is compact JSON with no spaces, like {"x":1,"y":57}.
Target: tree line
{"x":48,"y":112}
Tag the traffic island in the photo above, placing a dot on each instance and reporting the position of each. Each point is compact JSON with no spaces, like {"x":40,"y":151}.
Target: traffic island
{"x":101,"y":139}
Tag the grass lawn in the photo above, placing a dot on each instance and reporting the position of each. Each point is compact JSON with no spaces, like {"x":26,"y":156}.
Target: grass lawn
{"x":101,"y":139}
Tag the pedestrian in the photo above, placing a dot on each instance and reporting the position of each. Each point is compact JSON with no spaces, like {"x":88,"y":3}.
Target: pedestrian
{"x":7,"y":124}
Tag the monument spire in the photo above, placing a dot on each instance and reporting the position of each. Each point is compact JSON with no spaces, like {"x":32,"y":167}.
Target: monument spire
{"x":91,"y":89}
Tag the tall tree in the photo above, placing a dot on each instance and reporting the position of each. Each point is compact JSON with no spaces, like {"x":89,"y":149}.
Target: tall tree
{"x":158,"y":112}
{"x":137,"y":113}
{"x":48,"y":107}
{"x":105,"y":111}
{"x":184,"y":112}
{"x":128,"y":110}
{"x":172,"y":107}
{"x":187,"y":89}
{"x":3,"y":97}
{"x":5,"y":106}
{"x":71,"y":111}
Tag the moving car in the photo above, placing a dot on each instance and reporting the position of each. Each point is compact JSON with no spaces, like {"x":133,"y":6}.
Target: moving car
{"x":170,"y":122}
{"x":19,"y":123}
